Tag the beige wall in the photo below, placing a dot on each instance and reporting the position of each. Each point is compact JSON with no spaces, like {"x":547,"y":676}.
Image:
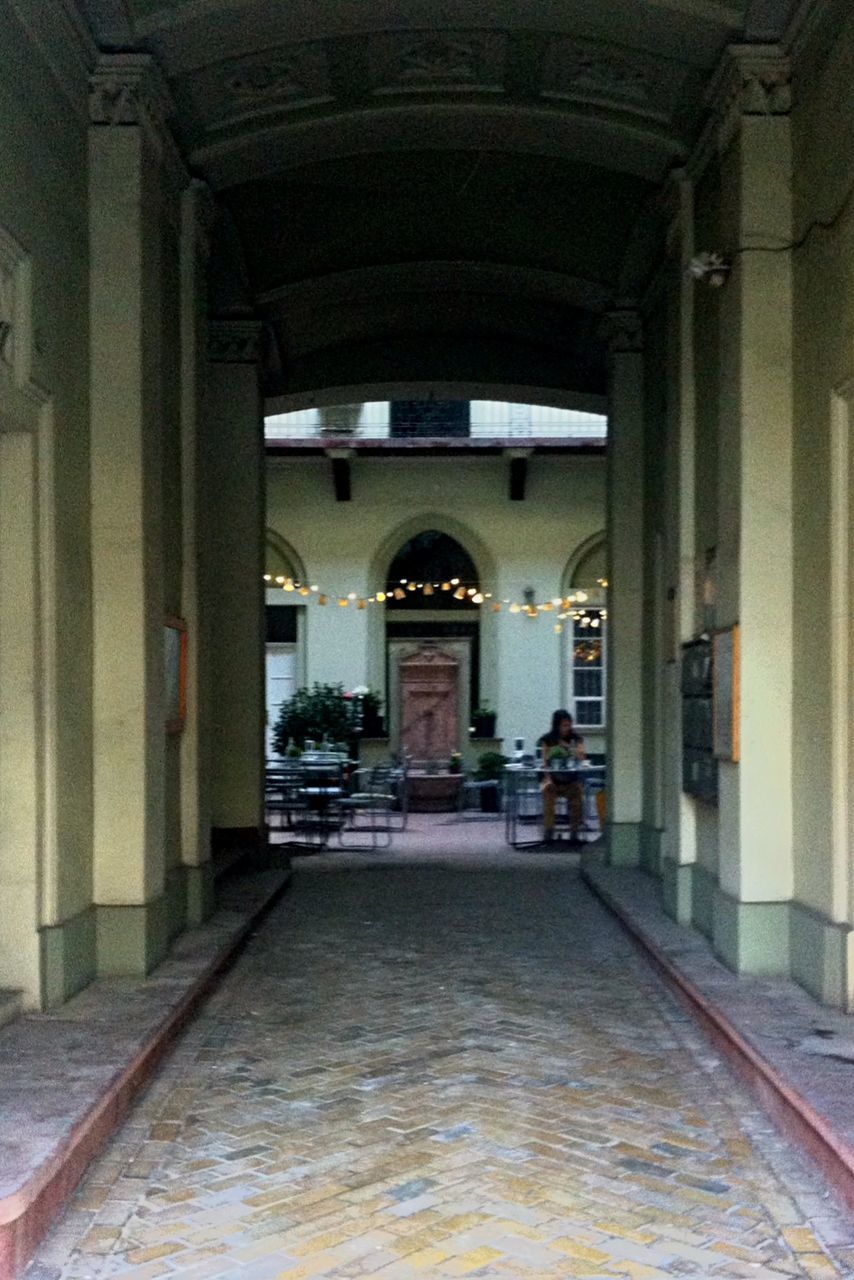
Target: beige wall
{"x":348,"y":547}
{"x":43,"y":100}
{"x":824,"y":364}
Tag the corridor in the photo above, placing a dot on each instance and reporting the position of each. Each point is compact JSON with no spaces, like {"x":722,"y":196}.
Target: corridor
{"x":445,"y":1070}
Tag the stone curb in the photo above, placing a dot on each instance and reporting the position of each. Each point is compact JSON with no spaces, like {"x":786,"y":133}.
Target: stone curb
{"x":793,"y":1113}
{"x":27,"y":1214}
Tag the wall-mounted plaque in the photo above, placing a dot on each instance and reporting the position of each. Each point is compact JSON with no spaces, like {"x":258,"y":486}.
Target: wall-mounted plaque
{"x":726,"y":693}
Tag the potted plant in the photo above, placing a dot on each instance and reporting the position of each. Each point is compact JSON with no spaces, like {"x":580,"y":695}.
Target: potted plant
{"x":483,"y":721}
{"x":321,"y":713}
{"x":372,"y":720}
{"x":489,"y":768}
{"x":455,"y":763}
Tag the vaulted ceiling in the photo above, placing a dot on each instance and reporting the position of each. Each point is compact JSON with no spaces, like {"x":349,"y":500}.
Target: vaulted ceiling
{"x":452,"y":189}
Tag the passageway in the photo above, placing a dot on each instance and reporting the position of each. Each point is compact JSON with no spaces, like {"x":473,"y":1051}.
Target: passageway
{"x":420,"y":1069}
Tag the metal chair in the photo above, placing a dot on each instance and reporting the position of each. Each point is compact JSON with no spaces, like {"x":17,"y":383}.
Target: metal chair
{"x":367,"y":810}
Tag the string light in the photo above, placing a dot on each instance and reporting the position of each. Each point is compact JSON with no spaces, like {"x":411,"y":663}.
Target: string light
{"x":571,"y":607}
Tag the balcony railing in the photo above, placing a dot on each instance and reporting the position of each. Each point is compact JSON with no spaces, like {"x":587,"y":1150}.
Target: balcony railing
{"x":489,"y":420}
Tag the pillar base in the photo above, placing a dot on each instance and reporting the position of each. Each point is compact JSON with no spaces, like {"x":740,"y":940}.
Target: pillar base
{"x":133,"y":939}
{"x":200,"y":900}
{"x":624,"y":844}
{"x":752,"y":937}
{"x":68,"y":958}
{"x":650,"y":848}
{"x":677,"y":889}
{"x":822,"y":956}
{"x":704,"y":887}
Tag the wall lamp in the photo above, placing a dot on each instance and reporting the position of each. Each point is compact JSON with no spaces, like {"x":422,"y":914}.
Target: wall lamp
{"x":711,"y":268}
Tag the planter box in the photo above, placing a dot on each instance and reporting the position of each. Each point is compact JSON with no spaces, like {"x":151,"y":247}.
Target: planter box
{"x":434,"y":792}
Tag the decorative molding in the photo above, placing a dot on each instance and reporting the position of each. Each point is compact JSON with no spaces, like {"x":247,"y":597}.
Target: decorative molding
{"x":752,"y":80}
{"x":592,"y":71}
{"x":439,"y":61}
{"x":622,"y":329}
{"x":234,"y":341}
{"x":294,"y":75}
{"x":129,"y":89}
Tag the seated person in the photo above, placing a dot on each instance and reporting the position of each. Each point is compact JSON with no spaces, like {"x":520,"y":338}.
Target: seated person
{"x":561,"y":743}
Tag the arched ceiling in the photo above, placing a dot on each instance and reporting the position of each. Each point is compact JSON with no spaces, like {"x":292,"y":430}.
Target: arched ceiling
{"x":452,"y":185}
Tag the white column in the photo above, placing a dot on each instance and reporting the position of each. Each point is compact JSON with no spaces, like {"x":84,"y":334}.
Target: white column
{"x":680,"y":838}
{"x":625,"y":587}
{"x":755,"y":507}
{"x":234,"y":466}
{"x":129,"y":193}
{"x":21,"y":816}
{"x":197,"y":213}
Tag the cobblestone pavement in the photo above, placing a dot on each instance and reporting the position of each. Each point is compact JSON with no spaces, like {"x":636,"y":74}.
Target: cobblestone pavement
{"x":426,"y":1072}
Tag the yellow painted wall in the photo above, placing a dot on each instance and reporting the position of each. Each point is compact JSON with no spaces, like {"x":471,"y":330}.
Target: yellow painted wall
{"x":823,"y":123}
{"x":43,"y":160}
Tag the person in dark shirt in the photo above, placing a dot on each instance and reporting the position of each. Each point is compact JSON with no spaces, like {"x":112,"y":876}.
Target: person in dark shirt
{"x":562,"y":744}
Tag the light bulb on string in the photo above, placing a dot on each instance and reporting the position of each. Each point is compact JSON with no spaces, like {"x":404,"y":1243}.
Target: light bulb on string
{"x":410,"y":586}
{"x":380,"y":597}
{"x":361,"y":604}
{"x":428,"y":588}
{"x":460,"y":593}
{"x":280,"y":579}
{"x":399,"y":593}
{"x":477,"y":598}
{"x":455,"y":582}
{"x":321,"y":599}
{"x":343,"y":602}
{"x":446,"y":586}
{"x":515,"y":608}
{"x":268,"y":577}
{"x":304,"y":591}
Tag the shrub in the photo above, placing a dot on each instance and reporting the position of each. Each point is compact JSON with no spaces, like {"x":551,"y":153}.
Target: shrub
{"x":321,"y":712}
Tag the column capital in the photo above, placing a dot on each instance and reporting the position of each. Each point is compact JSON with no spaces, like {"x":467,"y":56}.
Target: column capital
{"x":751,"y":80}
{"x":622,"y":329}
{"x":234,"y":341}
{"x":127,"y":89}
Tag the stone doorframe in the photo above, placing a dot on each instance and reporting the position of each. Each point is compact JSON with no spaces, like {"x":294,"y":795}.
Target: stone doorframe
{"x":400,"y":649}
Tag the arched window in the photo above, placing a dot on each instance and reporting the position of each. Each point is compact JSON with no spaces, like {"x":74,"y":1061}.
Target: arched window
{"x":432,"y":571}
{"x":587,"y":648}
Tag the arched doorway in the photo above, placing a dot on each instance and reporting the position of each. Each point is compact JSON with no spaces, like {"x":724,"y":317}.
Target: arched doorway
{"x":432,"y":644}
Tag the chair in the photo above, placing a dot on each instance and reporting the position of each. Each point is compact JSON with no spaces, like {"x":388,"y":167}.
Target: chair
{"x":367,"y":811}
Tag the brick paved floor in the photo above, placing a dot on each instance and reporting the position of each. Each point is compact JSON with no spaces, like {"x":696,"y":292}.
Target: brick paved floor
{"x":420,"y":1071}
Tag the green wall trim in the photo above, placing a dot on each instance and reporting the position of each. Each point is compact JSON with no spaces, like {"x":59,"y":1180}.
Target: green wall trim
{"x":751,"y":937}
{"x":132,"y":940}
{"x":677,"y":889}
{"x":821,"y":950}
{"x":68,"y":958}
{"x":704,"y":886}
{"x":624,"y":844}
{"x":200,"y":893}
{"x":650,"y":848}
{"x":175,"y":894}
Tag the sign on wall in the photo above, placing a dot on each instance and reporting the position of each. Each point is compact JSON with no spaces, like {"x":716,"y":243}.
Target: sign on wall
{"x":726,"y":693}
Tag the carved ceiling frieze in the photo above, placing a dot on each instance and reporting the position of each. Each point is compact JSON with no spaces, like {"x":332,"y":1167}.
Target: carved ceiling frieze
{"x":591,"y":71}
{"x":240,"y":87}
{"x":438,"y":61}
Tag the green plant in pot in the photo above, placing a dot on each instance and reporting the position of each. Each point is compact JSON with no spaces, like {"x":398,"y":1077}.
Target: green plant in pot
{"x":321,"y":713}
{"x":372,"y":719}
{"x":559,"y":757}
{"x":489,"y":768}
{"x":483,"y":721}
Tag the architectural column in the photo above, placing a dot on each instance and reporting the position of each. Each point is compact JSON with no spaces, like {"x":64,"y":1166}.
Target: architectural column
{"x":754,"y":553}
{"x":197,"y":215}
{"x":234,"y":467}
{"x":131,"y":188}
{"x":680,"y":840}
{"x":625,"y":587}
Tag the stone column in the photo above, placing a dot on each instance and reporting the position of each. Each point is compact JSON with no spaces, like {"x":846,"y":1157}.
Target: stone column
{"x":234,"y":465}
{"x":625,"y":587}
{"x":680,"y":841}
{"x":133,"y":174}
{"x":197,"y":216}
{"x":751,"y":914}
